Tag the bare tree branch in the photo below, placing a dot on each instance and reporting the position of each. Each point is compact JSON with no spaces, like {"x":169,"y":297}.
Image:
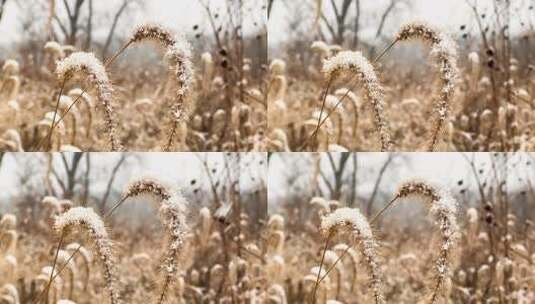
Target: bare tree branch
{"x":331,"y":189}
{"x":383,"y":18}
{"x":113,"y":26}
{"x":353,"y":194}
{"x":86,"y":178}
{"x":67,"y":7}
{"x":59,"y":180}
{"x":103,"y":201}
{"x":89,"y":29}
{"x":2,"y":5}
{"x":61,"y":26}
{"x":2,"y":154}
{"x":357,"y":24}
{"x":371,"y":200}
{"x":269,"y":8}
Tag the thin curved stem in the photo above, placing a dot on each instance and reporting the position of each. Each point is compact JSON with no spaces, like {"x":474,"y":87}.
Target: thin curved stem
{"x":108,"y":214}
{"x":324,"y":100}
{"x":51,"y":130}
{"x":45,"y":292}
{"x":383,"y":210}
{"x":116,"y":55}
{"x":388,"y":48}
{"x":61,"y":117}
{"x":318,"y":281}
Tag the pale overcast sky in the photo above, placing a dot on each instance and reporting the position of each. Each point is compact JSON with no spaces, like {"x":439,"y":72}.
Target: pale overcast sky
{"x":449,"y":14}
{"x":177,"y":169}
{"x":444,"y":169}
{"x":180,"y":15}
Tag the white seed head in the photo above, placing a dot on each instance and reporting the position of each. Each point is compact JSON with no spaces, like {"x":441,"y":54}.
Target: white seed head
{"x":10,"y":67}
{"x":352,"y":221}
{"x":444,"y":52}
{"x":356,"y":64}
{"x":8,"y":221}
{"x":54,"y":48}
{"x":88,"y":221}
{"x":88,"y":64}
{"x":277,"y":67}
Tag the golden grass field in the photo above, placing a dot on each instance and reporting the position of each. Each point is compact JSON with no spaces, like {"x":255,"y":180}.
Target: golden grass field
{"x":155,"y":88}
{"x":104,"y":248}
{"x":422,"y":242}
{"x":418,"y":241}
{"x":420,"y":87}
{"x":315,"y":151}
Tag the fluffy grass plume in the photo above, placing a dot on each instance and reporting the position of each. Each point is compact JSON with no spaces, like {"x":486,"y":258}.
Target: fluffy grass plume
{"x":352,"y":221}
{"x":444,"y":210}
{"x":88,"y":64}
{"x":444,"y":52}
{"x":86,"y":220}
{"x":172,"y":214}
{"x":356,"y":63}
{"x":178,"y":57}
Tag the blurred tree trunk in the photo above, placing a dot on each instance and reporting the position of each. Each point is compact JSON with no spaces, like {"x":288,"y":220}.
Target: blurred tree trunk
{"x":341,"y":20}
{"x":89,"y":36}
{"x":111,"y":33}
{"x":369,"y":205}
{"x":357,"y":25}
{"x":86,"y":179}
{"x":385,"y":15}
{"x":74,"y":15}
{"x":353,"y":193}
{"x":269,"y":8}
{"x":381,"y":26}
{"x":338,"y":30}
{"x":71,"y":171}
{"x":338,"y":175}
{"x":104,"y":200}
{"x":68,"y":182}
{"x":2,"y":5}
{"x":2,"y":154}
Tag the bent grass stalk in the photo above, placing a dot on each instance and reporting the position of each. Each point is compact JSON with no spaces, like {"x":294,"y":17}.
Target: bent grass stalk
{"x":57,"y":273}
{"x":178,"y":55}
{"x":106,"y":216}
{"x":92,"y":68}
{"x":318,"y":281}
{"x":171,"y":213}
{"x":352,"y":83}
{"x":324,"y":99}
{"x":47,"y":288}
{"x":143,"y":32}
{"x":443,"y":208}
{"x":61,"y":117}
{"x":352,"y":221}
{"x":88,"y":219}
{"x":443,"y":50}
{"x":357,"y":64}
{"x":84,"y":90}
{"x":155,"y":33}
{"x":49,"y":137}
{"x":374,"y":219}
